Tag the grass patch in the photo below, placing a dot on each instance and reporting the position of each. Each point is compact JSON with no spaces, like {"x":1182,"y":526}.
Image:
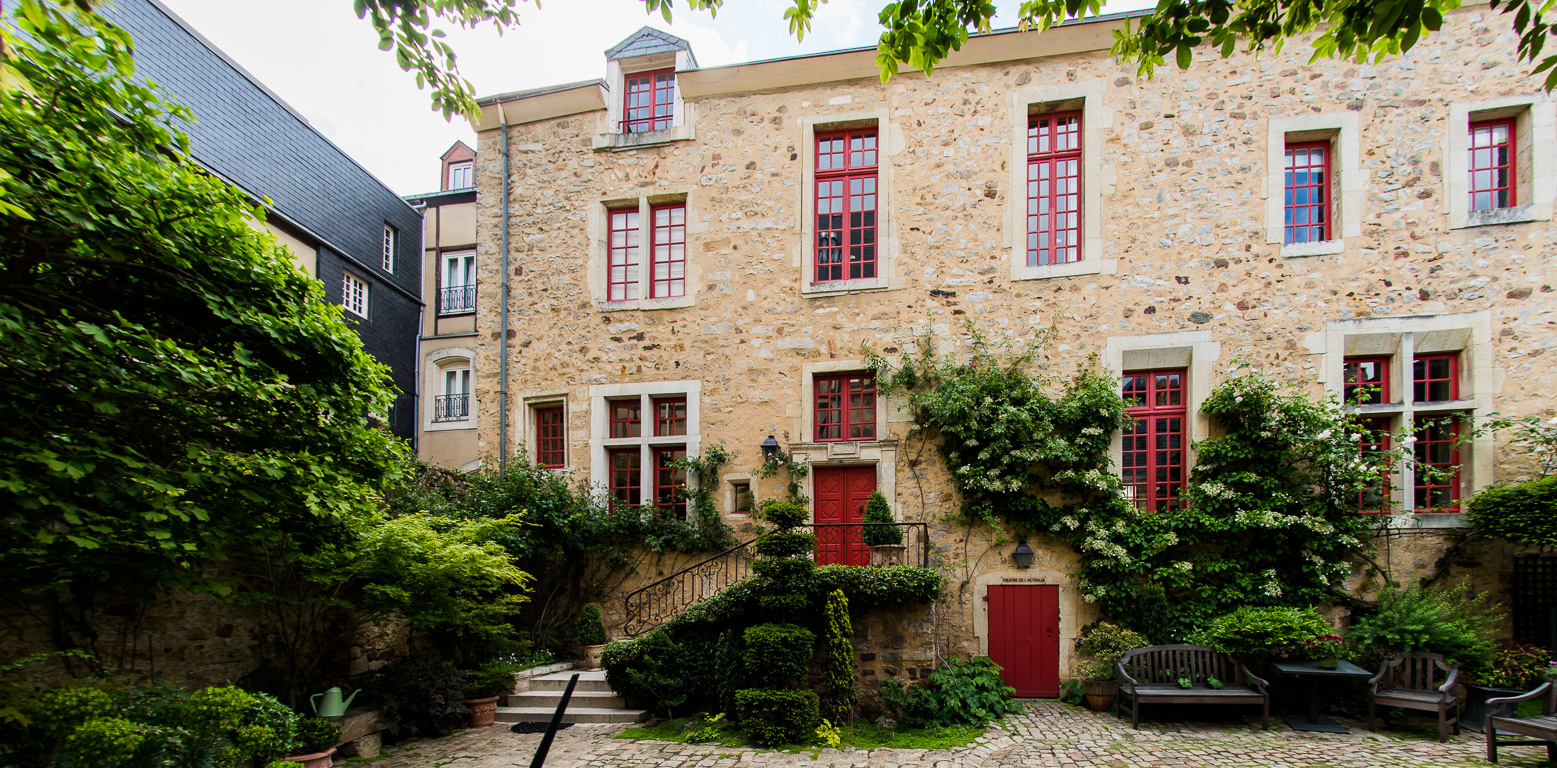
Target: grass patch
{"x":865,"y":735}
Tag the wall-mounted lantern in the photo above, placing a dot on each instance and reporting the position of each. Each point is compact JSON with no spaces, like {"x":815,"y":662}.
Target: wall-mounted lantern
{"x":1023,"y":556}
{"x":770,"y":449}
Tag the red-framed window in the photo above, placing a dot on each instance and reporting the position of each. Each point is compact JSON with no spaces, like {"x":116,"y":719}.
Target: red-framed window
{"x":845,"y":407}
{"x":1053,"y":189}
{"x":670,"y":481}
{"x":670,"y":416}
{"x":650,"y":102}
{"x":668,"y":251}
{"x":1153,"y":460}
{"x":1365,"y":380}
{"x":1307,"y":193}
{"x":1435,"y":378}
{"x":1437,"y":453}
{"x":846,"y":205}
{"x":551,"y":443}
{"x":1372,"y":443}
{"x":1493,"y":165}
{"x":626,"y":417}
{"x":626,"y":477}
{"x":623,"y":260}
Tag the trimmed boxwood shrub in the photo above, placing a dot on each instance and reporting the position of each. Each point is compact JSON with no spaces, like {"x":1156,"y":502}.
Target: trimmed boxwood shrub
{"x":877,"y":511}
{"x":785,"y":544}
{"x":774,"y":717}
{"x":1253,"y":630}
{"x":1524,"y":513}
{"x":589,"y":627}
{"x":777,"y":653}
{"x":784,"y":515}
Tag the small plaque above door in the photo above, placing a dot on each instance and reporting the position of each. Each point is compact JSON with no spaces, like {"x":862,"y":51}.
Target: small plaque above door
{"x":835,"y":450}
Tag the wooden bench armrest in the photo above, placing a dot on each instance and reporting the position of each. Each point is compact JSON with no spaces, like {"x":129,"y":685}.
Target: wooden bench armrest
{"x":1259,"y":682}
{"x":1384,"y":670}
{"x":1124,"y":677}
{"x":1496,"y":707}
{"x":1454,"y":679}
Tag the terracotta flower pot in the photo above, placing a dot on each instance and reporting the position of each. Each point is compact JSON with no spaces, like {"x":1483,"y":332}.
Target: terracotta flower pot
{"x":482,"y":712}
{"x":1100,"y":693}
{"x":315,"y":760}
{"x":592,"y":655}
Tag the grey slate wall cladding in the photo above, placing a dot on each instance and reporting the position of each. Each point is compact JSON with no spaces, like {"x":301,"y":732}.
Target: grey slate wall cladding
{"x":245,"y":135}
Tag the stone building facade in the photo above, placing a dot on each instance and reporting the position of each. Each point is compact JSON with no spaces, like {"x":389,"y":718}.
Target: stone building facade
{"x":671,"y":290}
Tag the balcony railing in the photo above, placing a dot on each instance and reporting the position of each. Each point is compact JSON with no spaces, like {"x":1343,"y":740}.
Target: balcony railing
{"x":457,"y":299}
{"x":451,"y":407}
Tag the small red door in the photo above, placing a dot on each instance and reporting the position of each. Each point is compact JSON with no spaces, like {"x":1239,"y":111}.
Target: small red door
{"x":1024,"y":637}
{"x":841,"y":493}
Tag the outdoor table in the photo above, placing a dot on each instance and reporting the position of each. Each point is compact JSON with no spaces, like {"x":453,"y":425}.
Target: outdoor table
{"x":1311,"y":670}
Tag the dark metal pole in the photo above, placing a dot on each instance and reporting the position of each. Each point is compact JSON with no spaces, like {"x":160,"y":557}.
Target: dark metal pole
{"x":556,"y":720}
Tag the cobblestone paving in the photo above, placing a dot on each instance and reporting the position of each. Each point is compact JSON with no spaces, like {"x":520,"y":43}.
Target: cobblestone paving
{"x":1048,"y":734}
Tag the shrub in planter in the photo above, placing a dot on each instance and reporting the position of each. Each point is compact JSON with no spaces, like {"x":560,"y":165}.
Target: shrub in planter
{"x":776,"y":654}
{"x":488,"y":680}
{"x":1256,"y":630}
{"x":878,"y":511}
{"x":772,"y":717}
{"x":1105,"y":643}
{"x":589,"y":627}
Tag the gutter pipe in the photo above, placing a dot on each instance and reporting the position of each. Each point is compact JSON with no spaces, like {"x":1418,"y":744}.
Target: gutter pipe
{"x":502,"y":365}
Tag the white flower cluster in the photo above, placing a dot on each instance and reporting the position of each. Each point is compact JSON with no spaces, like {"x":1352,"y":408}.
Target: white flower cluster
{"x":1216,"y":490}
{"x":1272,"y":586}
{"x":1185,"y":566}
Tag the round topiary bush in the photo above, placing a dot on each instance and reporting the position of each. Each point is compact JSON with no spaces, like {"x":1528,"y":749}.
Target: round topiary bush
{"x":777,"y":653}
{"x":877,"y":511}
{"x":772,"y":717}
{"x":785,"y":544}
{"x":784,"y":515}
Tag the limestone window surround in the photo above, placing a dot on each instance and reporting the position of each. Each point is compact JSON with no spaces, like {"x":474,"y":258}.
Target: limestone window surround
{"x":1401,"y":340}
{"x":881,"y":452}
{"x":1340,"y":130}
{"x":734,"y":483}
{"x":1193,"y":351}
{"x":683,"y":125}
{"x":889,"y":143}
{"x":436,"y":363}
{"x":1535,"y":176}
{"x":600,"y":441}
{"x":1097,"y":179}
{"x":598,"y":227}
{"x":530,"y":405}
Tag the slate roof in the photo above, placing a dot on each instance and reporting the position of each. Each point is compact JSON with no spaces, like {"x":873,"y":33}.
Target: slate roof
{"x":649,"y":40}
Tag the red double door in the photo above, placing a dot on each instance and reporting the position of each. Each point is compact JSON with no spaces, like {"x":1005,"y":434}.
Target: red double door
{"x":839,"y":505}
{"x":1024,"y":637}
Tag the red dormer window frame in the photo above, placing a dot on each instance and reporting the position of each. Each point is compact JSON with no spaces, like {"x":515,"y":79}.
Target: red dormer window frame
{"x":648,"y":100}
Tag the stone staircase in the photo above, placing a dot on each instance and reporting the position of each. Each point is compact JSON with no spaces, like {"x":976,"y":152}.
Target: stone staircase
{"x":593,"y":701}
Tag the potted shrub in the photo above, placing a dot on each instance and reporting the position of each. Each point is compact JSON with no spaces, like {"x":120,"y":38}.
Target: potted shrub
{"x":1327,"y":650}
{"x":1105,"y":643}
{"x":591,"y":635}
{"x":885,"y":541}
{"x":482,"y":687}
{"x":316,"y":740}
{"x":1513,"y":671}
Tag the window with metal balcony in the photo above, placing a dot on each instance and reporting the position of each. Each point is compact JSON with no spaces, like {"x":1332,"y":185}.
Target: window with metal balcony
{"x":454,"y":403}
{"x":457,"y":296}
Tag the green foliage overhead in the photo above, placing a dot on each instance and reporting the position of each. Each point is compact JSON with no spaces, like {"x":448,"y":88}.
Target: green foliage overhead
{"x":839,"y":670}
{"x":1451,"y":622}
{"x":1524,"y":514}
{"x":590,"y":630}
{"x":878,"y":511}
{"x":172,"y":388}
{"x":1255,"y":630}
{"x":773,"y":717}
{"x":962,"y":691}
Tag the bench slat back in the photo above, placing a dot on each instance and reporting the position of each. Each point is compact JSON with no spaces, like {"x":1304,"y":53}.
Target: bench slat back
{"x":1419,"y":671}
{"x":1168,"y":663}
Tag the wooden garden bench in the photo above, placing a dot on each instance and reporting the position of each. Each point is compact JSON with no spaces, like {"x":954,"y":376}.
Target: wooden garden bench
{"x":1541,"y":730}
{"x":1150,"y":676}
{"x":1412,"y":681}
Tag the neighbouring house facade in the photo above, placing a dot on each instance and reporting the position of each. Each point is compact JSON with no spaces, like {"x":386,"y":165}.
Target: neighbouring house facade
{"x":447,"y":418}
{"x":697,"y":256}
{"x":343,"y":225}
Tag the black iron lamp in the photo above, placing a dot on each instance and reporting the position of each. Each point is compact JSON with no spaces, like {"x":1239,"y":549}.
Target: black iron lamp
{"x":770,"y":449}
{"x":1023,"y":556}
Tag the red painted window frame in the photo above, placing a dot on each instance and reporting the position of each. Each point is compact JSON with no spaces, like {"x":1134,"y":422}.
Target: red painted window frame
{"x":846,"y":198}
{"x":833,"y":394}
{"x":551,"y":442}
{"x":629,"y":427}
{"x":627,"y":480}
{"x":1053,"y":155}
{"x":1324,"y":207}
{"x":658,"y":112}
{"x":1153,"y":422}
{"x":1421,"y":449}
{"x":1375,"y":438}
{"x":668,"y":248}
{"x":668,"y":480}
{"x":1423,"y":365}
{"x":624,"y":254}
{"x":1510,"y":164}
{"x":664,"y":425}
{"x":1348,"y":386}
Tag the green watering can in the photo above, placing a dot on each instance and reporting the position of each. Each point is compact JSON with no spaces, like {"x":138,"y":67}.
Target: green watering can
{"x":332,"y":706}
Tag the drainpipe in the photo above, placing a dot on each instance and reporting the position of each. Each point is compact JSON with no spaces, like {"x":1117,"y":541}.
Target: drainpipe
{"x":502,"y":364}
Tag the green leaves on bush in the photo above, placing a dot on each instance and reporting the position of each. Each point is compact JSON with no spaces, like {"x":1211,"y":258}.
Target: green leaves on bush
{"x":968,"y":692}
{"x":422,"y":696}
{"x":773,"y":717}
{"x":103,"y":743}
{"x":776,"y":654}
{"x":1253,"y":630}
{"x":1451,"y":622}
{"x":838,"y":670}
{"x":878,"y":511}
{"x":784,"y":515}
{"x":316,"y":734}
{"x":1524,"y":514}
{"x":1105,"y":643}
{"x":654,"y":670}
{"x":784,"y":544}
{"x":590,"y":630}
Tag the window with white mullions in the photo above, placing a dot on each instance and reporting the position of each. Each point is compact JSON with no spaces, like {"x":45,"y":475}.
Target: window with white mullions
{"x":454,"y":403}
{"x":354,"y":295}
{"x":462,"y":175}
{"x":458,"y":294}
{"x":390,"y":238}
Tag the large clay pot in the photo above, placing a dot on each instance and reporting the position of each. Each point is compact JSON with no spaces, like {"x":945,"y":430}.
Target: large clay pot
{"x":592,"y":655}
{"x":887,"y":554}
{"x":315,"y":760}
{"x":1100,"y":693}
{"x":482,"y":712}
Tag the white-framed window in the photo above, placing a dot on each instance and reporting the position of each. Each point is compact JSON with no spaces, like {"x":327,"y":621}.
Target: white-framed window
{"x":454,"y":403}
{"x":637,"y":434}
{"x":354,"y":295}
{"x":390,"y":236}
{"x":462,"y":175}
{"x":457,"y":296}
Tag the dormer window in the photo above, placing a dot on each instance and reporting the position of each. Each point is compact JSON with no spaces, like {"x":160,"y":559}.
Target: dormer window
{"x":642,"y":93}
{"x":462,"y":175}
{"x":650,"y":103}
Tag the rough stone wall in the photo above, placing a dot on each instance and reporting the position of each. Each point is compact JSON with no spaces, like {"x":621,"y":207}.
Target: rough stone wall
{"x":1184,"y":161}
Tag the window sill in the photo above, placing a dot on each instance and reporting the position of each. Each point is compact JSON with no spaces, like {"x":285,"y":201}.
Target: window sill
{"x":1516,"y":215}
{"x":647,"y":305}
{"x":1444,"y":406}
{"x":843,"y":287}
{"x":618,"y":142}
{"x":1321,"y":248}
{"x":449,"y":426}
{"x":460,"y":313}
{"x":1432,"y":520}
{"x":1022,"y":271}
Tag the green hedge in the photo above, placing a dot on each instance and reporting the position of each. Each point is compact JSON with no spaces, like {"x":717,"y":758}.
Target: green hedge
{"x":1524,"y":513}
{"x":776,"y":654}
{"x":785,"y":544}
{"x":1252,"y":630}
{"x":777,"y":717}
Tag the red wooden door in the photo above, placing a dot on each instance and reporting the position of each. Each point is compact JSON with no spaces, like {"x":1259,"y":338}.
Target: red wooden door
{"x":841,"y":493}
{"x":1024,"y":637}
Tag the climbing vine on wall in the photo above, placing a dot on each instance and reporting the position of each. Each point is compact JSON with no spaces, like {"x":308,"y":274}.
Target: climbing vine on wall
{"x":1269,"y":515}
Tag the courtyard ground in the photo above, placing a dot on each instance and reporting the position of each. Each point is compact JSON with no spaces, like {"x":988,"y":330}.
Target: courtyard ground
{"x":1046,"y":734}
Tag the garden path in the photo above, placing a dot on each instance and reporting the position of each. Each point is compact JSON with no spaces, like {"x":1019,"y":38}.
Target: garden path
{"x":1047,"y":734}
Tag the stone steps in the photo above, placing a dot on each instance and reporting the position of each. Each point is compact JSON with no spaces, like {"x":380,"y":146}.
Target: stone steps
{"x":593,"y":701}
{"x":580,"y":715}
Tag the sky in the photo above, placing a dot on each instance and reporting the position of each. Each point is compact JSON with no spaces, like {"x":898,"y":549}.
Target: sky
{"x":324,"y":61}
